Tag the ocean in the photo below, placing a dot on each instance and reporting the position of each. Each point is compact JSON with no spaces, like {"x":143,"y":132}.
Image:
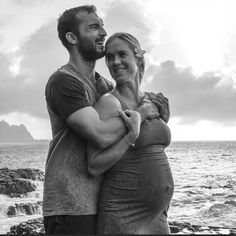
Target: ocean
{"x":204,"y":175}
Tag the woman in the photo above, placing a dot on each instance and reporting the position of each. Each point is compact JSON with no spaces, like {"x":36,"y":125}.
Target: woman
{"x":137,"y":189}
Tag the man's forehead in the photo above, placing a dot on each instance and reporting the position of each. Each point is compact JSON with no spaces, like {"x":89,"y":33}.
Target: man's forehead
{"x":85,"y":16}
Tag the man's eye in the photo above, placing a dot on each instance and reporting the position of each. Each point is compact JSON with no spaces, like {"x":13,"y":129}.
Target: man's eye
{"x":94,"y":26}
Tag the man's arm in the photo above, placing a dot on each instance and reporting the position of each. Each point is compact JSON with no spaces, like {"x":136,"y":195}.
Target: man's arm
{"x":67,"y":98}
{"x":100,"y":132}
{"x":100,"y":160}
{"x":162,"y":104}
{"x":104,"y":132}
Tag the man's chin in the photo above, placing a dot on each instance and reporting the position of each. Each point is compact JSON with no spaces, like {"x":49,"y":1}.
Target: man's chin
{"x":100,"y":54}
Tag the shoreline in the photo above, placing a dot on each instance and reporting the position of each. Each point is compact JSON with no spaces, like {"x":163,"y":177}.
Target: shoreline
{"x":36,"y":227}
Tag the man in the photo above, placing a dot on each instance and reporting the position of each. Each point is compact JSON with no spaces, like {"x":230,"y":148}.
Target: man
{"x":70,"y":196}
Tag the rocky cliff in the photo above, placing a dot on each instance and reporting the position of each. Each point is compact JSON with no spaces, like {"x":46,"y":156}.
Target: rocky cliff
{"x":14,"y":133}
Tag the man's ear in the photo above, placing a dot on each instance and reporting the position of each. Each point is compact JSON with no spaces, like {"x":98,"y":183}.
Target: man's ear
{"x":71,"y":38}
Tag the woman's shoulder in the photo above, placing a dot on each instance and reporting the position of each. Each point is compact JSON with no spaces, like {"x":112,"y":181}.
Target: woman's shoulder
{"x":107,"y":106}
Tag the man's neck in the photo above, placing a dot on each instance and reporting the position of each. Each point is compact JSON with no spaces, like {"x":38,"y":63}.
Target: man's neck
{"x":86,"y":68}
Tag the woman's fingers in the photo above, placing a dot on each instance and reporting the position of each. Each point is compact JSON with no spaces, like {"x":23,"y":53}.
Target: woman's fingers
{"x":123,"y":116}
{"x":130,"y":118}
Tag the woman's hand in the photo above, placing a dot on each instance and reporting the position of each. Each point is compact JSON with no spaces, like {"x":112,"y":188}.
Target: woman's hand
{"x":132,"y":121}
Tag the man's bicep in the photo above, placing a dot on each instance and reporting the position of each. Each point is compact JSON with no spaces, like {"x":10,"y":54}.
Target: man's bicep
{"x":101,"y":127}
{"x":107,"y":107}
{"x":84,"y":121}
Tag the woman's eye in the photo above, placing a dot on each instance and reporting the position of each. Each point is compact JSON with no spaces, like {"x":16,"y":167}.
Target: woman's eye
{"x":122,"y":54}
{"x":109,"y":57}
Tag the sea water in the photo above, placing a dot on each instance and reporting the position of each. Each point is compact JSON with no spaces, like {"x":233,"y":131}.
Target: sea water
{"x":204,"y":175}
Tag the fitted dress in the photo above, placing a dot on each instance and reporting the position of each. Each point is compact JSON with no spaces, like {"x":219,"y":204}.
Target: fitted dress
{"x":136,"y":192}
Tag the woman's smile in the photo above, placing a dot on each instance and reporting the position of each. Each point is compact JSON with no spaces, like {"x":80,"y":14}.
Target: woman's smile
{"x":119,"y":69}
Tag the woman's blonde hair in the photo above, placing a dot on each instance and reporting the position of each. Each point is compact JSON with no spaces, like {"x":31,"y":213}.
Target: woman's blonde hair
{"x":134,"y":45}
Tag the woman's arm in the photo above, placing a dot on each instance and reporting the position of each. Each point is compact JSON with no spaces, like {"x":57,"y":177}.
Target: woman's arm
{"x":100,"y":160}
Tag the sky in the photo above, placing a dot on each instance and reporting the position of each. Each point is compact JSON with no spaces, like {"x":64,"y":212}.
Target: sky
{"x":190,"y":58}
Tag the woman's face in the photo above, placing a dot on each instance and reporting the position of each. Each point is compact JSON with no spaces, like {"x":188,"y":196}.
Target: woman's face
{"x":121,"y":60}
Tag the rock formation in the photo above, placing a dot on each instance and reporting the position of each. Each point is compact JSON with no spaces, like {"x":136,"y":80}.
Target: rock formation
{"x":20,"y":181}
{"x":14,"y":133}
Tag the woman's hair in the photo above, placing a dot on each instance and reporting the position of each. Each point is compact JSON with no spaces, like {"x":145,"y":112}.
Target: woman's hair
{"x":134,"y":45}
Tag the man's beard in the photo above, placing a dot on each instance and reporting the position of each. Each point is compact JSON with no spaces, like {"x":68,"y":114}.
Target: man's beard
{"x":88,"y":50}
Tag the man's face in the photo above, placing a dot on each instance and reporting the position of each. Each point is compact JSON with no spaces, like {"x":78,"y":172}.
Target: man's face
{"x":91,"y":36}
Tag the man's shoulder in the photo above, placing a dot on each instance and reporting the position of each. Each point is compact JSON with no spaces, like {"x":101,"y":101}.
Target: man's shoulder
{"x":58,"y":75}
{"x":60,"y":78}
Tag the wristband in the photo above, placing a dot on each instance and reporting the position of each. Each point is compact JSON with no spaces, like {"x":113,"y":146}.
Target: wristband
{"x":130,"y":144}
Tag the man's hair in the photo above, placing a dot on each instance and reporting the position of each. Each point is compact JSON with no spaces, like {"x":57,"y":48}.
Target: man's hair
{"x":68,"y":22}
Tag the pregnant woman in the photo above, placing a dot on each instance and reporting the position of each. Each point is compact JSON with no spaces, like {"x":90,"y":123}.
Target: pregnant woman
{"x":137,"y":190}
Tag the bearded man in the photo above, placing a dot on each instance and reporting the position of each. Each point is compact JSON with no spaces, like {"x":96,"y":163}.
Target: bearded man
{"x":70,"y":195}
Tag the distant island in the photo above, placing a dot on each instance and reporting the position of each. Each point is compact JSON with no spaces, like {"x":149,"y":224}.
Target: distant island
{"x":14,"y":133}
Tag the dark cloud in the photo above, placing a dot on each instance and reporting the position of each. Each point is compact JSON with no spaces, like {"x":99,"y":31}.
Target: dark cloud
{"x":192,"y":97}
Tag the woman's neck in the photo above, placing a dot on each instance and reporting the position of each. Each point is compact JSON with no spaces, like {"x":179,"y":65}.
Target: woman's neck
{"x":130,"y":93}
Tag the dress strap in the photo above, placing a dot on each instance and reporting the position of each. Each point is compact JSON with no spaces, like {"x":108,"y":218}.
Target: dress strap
{"x":122,"y":102}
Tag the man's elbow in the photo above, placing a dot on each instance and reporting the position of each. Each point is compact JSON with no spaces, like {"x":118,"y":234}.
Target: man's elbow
{"x":101,"y":142}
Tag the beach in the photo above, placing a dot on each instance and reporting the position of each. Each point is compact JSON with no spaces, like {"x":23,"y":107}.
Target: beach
{"x":204,"y":200}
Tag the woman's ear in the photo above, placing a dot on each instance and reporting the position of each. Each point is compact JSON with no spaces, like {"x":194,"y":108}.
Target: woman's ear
{"x":71,"y":38}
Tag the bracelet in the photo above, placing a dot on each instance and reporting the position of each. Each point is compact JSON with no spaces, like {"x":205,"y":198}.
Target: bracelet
{"x":130,"y":144}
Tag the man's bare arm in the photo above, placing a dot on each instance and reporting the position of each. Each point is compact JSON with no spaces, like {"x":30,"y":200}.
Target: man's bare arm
{"x":103,"y":133}
{"x":100,"y":160}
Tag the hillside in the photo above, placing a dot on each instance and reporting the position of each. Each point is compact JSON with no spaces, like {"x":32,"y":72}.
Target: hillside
{"x":14,"y":133}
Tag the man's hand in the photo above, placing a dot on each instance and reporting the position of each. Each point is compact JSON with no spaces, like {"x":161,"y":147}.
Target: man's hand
{"x":163,"y":105}
{"x":148,"y":109}
{"x":132,"y":121}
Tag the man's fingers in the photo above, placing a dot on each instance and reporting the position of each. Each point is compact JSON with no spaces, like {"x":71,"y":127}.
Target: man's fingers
{"x":157,"y":102}
{"x":160,"y":100}
{"x":155,"y":115}
{"x":161,"y":96}
{"x":145,"y":101}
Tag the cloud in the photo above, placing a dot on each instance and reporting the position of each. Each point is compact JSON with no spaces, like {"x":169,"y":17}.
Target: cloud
{"x":210,"y":96}
{"x":192,"y":97}
{"x":41,"y":55}
{"x":129,"y":16}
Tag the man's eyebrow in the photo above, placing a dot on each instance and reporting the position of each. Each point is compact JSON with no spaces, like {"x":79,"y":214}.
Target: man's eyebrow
{"x":96,"y":22}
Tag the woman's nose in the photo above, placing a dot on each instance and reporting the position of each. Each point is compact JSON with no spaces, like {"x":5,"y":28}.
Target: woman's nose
{"x":116,"y":60}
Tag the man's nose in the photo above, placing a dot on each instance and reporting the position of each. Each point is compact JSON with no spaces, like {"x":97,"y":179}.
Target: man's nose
{"x":103,"y":32}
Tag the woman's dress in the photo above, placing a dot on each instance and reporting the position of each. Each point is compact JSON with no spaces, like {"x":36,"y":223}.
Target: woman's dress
{"x":137,"y":190}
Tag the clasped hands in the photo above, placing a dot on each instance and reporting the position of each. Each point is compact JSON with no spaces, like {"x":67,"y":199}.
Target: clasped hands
{"x":155,"y":106}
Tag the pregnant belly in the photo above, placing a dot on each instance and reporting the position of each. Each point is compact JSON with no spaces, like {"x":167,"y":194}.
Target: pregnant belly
{"x":156,"y":185}
{"x":143,"y":183}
